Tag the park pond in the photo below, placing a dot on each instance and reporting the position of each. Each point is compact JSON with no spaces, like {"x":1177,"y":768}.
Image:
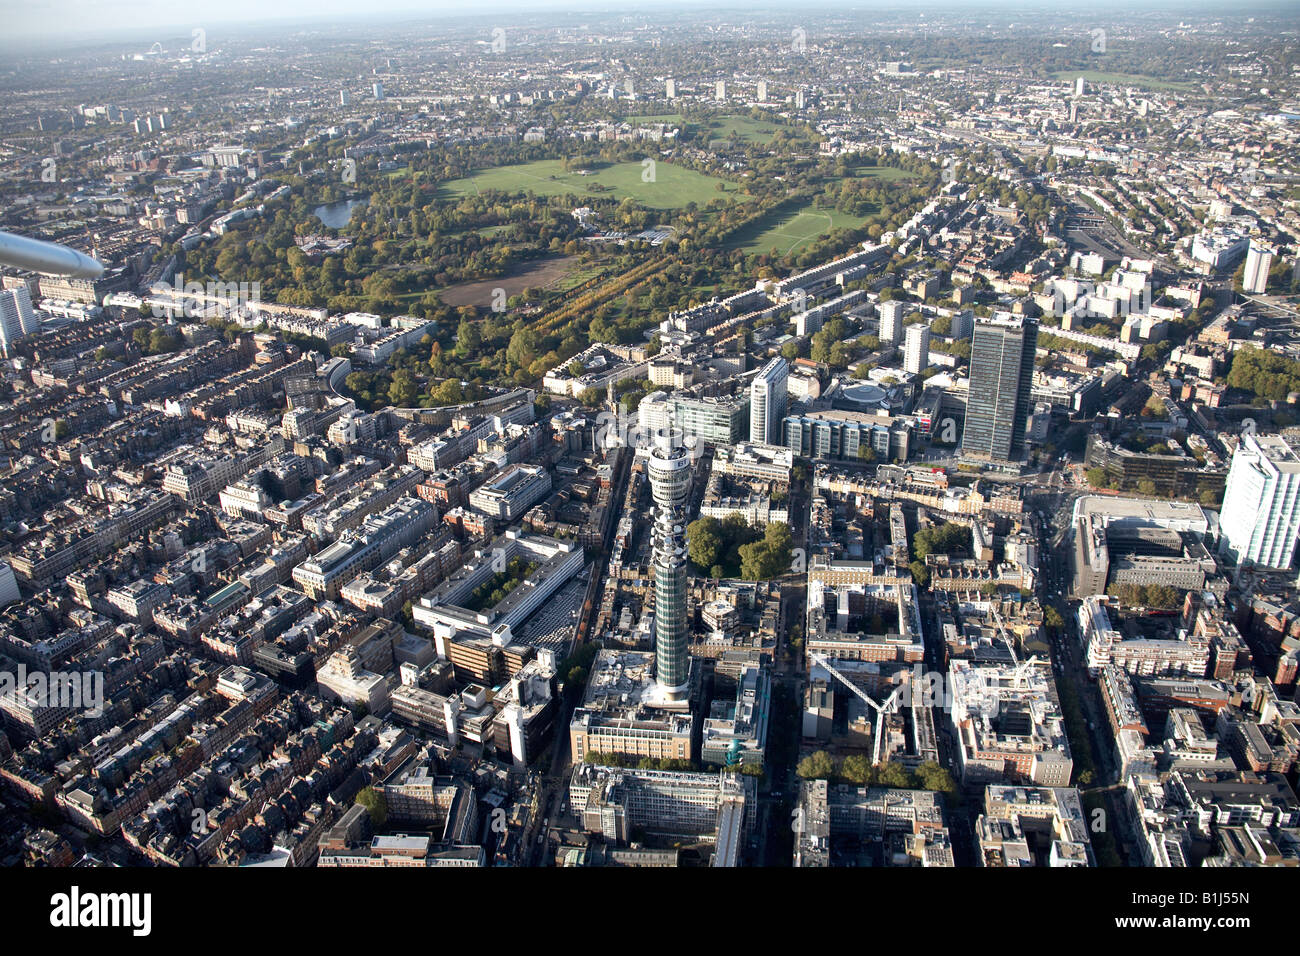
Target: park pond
{"x":336,"y":215}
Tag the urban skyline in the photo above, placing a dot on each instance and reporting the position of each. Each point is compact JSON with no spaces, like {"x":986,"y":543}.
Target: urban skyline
{"x":566,"y":435}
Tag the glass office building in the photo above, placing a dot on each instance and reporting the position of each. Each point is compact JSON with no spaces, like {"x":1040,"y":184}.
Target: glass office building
{"x":1001,"y":383}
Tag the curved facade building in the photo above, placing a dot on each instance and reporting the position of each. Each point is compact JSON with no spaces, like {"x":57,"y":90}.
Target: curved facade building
{"x":670,"y":480}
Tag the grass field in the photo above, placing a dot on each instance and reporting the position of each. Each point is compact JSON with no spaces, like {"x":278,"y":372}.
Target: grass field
{"x":673,"y":187}
{"x":889,"y":174}
{"x":719,"y":127}
{"x":1125,"y":79}
{"x":487,"y":232}
{"x":577,"y":277}
{"x":748,"y":129}
{"x":788,"y":230}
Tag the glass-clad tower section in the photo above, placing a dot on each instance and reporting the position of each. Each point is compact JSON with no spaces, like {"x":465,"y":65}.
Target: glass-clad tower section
{"x":1001,"y":382}
{"x":670,"y":479}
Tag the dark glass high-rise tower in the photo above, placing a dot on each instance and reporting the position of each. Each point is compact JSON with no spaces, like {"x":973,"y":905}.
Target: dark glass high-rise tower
{"x":1001,"y":379}
{"x":670,"y":480}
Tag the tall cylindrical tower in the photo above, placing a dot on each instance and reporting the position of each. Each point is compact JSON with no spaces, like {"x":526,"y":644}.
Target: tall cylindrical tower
{"x":670,"y":478}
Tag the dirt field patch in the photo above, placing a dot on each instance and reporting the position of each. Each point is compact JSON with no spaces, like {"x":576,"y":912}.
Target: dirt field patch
{"x":536,"y":273}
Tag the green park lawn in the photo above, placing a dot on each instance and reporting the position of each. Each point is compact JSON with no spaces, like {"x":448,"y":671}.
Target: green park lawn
{"x":750,"y":130}
{"x":890,"y":174}
{"x":673,"y":187}
{"x":788,"y":230}
{"x":1125,"y":79}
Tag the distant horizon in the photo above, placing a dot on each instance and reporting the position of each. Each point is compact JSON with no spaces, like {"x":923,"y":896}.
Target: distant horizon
{"x":64,"y":23}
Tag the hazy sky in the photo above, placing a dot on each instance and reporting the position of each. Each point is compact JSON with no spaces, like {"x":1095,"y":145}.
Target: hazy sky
{"x":56,"y":20}
{"x":45,"y":17}
{"x":48,"y":18}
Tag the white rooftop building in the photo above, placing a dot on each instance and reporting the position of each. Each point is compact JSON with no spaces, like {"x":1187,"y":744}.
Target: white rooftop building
{"x":1261,"y":502}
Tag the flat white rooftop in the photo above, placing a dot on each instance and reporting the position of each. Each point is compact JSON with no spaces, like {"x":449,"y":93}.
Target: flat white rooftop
{"x":1179,"y":515}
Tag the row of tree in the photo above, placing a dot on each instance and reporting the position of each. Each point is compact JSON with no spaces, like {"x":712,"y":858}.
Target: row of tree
{"x":1157,"y":596}
{"x":857,"y":769}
